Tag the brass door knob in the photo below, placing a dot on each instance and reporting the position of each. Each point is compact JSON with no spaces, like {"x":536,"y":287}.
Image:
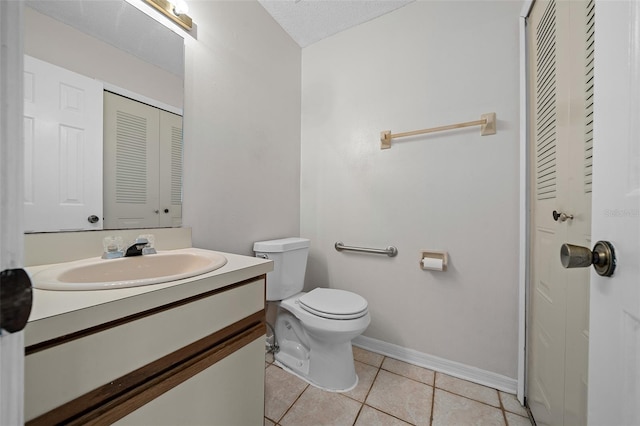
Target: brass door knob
{"x":561,"y":216}
{"x":602,"y":257}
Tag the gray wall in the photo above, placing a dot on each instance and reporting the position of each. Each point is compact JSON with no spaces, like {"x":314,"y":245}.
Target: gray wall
{"x":241,"y":128}
{"x":427,"y":64}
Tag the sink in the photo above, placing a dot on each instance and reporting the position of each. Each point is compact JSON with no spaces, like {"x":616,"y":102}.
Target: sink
{"x":102,"y":274}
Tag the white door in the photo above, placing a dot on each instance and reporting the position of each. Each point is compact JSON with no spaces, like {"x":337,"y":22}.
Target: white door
{"x":63,"y":149}
{"x":614,"y":350}
{"x":11,"y":345}
{"x":560,"y":35}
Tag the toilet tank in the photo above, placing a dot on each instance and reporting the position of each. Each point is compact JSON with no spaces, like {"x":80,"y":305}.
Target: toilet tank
{"x":289,"y":257}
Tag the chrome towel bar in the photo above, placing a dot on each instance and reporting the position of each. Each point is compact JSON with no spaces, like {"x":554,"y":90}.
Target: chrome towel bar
{"x":389,"y":251}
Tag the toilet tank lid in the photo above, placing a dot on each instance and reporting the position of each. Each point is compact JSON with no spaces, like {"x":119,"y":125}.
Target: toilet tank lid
{"x":283,"y":244}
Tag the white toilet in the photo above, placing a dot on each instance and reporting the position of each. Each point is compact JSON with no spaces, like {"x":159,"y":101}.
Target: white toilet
{"x":313,"y":330}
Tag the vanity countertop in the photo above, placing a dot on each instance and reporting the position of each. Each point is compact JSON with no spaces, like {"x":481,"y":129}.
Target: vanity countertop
{"x":58,"y":313}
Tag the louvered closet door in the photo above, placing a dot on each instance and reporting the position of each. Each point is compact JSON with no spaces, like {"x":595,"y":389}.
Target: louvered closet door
{"x":170,"y":170}
{"x":560,"y":36}
{"x":131,"y":152}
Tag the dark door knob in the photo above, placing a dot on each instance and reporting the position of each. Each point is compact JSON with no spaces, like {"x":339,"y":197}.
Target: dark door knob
{"x":561,"y":216}
{"x":93,"y":218}
{"x":15,"y":299}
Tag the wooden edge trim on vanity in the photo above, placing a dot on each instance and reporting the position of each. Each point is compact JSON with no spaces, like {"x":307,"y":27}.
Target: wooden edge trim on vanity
{"x":61,"y":340}
{"x":124,"y":395}
{"x":126,"y":404}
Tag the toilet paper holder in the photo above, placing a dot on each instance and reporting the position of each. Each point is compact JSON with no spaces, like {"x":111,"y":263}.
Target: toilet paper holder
{"x":431,"y":260}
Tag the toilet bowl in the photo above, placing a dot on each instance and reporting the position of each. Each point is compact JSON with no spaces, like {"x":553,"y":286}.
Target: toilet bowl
{"x":316,"y":346}
{"x":313,"y":330}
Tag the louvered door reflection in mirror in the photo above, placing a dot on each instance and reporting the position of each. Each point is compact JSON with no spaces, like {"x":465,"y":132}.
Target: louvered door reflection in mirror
{"x":143,"y":145}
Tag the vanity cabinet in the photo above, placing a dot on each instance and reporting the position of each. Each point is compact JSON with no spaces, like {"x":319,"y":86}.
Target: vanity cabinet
{"x":195,"y":360}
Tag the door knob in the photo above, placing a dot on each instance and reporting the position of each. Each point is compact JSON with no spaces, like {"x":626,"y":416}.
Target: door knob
{"x":93,"y":218}
{"x":16,"y":297}
{"x":561,"y":216}
{"x":603,"y":257}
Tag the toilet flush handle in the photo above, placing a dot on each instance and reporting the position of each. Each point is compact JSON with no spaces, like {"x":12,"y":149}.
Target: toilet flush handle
{"x":262,"y":256}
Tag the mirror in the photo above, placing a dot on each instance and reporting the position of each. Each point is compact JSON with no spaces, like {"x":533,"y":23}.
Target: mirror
{"x":127,"y":51}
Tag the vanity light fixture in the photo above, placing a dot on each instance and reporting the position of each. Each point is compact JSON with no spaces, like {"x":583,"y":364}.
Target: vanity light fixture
{"x":175,"y":10}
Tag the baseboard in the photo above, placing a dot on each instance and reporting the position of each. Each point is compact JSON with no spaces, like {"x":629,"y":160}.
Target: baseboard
{"x":452,"y":368}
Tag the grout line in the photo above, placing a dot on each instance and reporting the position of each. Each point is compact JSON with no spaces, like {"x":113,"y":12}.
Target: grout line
{"x":504,"y":415}
{"x":294,"y":402}
{"x":373,"y":382}
{"x":470,"y":399}
{"x":463,"y":396}
{"x":433,"y":398}
{"x":389,"y":414}
{"x":408,"y":378}
{"x":357,"y":415}
{"x":370,"y":387}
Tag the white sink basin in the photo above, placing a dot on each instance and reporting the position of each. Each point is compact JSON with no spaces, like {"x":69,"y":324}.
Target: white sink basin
{"x":102,"y":274}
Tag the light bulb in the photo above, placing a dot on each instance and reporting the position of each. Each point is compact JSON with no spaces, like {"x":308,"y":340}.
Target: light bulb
{"x":180,"y":7}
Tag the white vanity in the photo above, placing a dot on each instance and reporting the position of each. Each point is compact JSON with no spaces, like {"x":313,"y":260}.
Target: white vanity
{"x":189,"y":351}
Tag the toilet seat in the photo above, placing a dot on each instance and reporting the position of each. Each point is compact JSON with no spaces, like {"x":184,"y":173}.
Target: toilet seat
{"x":333,"y":304}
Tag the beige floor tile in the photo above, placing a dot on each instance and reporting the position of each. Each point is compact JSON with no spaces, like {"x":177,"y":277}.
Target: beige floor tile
{"x":280,"y":391}
{"x":367,"y":357}
{"x":450,"y":409}
{"x":414,"y":372}
{"x":515,"y":420}
{"x":401,"y":397}
{"x":372,"y":417}
{"x":316,"y":407}
{"x":366,"y":373}
{"x":468,"y":389}
{"x":268,"y":357}
{"x":511,"y":403}
{"x":268,"y":422}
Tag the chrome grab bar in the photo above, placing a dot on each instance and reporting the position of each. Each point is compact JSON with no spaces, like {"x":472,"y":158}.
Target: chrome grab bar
{"x":389,"y":251}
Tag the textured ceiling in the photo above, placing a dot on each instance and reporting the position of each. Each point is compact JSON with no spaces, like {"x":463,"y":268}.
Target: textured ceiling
{"x":308,"y":21}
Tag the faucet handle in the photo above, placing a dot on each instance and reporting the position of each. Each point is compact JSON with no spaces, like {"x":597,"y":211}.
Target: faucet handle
{"x":150,"y":240}
{"x":141,"y":240}
{"x":113,"y":247}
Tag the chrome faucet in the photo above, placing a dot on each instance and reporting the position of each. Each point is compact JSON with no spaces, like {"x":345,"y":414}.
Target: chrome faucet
{"x":136,"y":249}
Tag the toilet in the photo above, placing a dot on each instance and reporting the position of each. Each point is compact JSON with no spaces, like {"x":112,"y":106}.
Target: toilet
{"x":313,"y":330}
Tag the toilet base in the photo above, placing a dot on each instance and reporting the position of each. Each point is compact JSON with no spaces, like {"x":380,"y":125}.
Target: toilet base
{"x":308,"y":380}
{"x":324,"y":360}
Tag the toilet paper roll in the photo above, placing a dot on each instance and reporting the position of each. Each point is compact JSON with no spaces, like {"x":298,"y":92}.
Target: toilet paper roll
{"x":433,"y":263}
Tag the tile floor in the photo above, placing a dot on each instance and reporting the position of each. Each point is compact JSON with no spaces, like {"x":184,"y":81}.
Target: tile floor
{"x":389,"y":393}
